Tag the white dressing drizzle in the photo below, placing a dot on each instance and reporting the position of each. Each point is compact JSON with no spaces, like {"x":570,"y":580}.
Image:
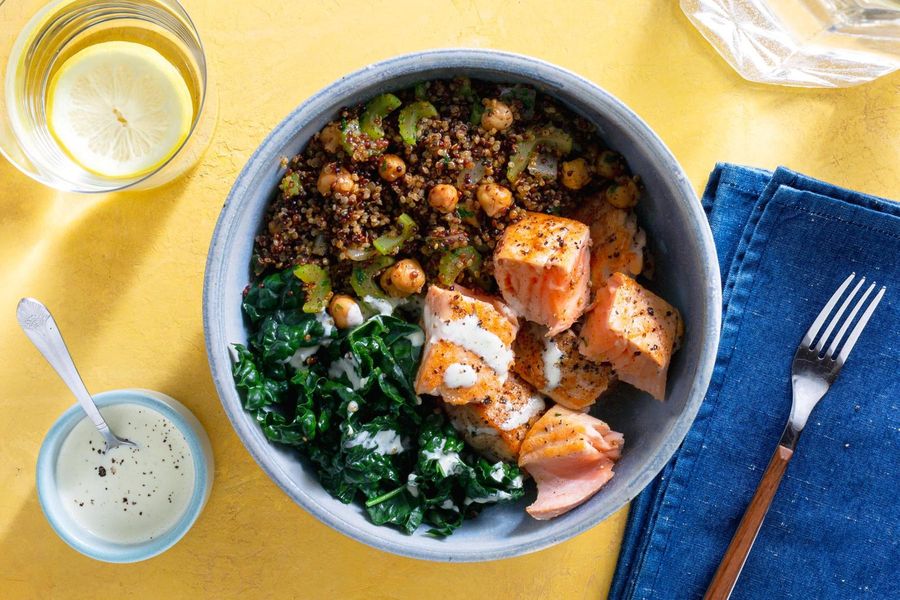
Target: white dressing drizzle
{"x":347,"y":365}
{"x":449,"y":462}
{"x":383,"y":306}
{"x":458,"y":375}
{"x":383,"y":442}
{"x":354,"y":316}
{"x":416,"y":338}
{"x":551,"y":356}
{"x":533,"y":407}
{"x":469,"y":334}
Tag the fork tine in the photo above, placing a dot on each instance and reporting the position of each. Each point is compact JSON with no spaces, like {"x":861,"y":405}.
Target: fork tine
{"x":817,"y":324}
{"x":832,"y":349}
{"x":854,"y":335}
{"x":837,"y":316}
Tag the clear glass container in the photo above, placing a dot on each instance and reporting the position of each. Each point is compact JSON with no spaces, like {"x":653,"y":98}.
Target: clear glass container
{"x":808,"y":43}
{"x":45,"y":35}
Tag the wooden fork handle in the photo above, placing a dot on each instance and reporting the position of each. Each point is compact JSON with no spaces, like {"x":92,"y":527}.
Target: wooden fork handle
{"x":733,"y":561}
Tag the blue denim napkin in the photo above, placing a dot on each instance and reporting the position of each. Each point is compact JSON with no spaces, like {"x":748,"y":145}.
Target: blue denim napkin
{"x":785,"y":242}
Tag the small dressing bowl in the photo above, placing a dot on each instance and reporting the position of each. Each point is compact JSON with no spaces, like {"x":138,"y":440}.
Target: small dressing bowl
{"x":77,"y":535}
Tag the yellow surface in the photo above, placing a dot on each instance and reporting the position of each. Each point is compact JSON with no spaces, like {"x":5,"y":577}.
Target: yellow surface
{"x":123,"y":275}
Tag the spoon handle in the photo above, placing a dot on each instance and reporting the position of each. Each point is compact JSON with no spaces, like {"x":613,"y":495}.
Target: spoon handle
{"x":38,"y":324}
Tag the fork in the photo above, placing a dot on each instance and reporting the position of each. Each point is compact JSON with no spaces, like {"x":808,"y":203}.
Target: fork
{"x":813,"y":371}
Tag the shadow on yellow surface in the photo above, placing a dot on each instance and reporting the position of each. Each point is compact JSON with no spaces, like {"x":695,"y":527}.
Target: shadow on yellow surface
{"x":293,"y":562}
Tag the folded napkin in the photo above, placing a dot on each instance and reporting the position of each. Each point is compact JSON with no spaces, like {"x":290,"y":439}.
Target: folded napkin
{"x":785,"y":242}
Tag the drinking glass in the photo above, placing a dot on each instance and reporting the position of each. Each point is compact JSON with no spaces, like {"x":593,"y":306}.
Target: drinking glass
{"x":809,"y":43}
{"x":39,"y":37}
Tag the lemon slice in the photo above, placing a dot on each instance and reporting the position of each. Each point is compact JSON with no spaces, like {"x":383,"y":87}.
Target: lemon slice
{"x":119,"y":109}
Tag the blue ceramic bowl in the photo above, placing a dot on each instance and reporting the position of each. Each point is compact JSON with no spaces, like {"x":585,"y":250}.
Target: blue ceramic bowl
{"x":86,"y":542}
{"x":687,"y":271}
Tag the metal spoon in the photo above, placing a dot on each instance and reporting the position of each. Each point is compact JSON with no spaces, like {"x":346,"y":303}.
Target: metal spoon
{"x":38,"y":324}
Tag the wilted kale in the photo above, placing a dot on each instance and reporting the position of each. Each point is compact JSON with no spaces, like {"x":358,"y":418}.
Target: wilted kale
{"x":346,"y":402}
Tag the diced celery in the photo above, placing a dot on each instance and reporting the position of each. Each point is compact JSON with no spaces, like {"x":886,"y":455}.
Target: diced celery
{"x":548,"y":137}
{"x":454,"y":262}
{"x":317,"y":287}
{"x":375,"y":112}
{"x":409,"y":118}
{"x":388,"y":244}
{"x":362,"y":280}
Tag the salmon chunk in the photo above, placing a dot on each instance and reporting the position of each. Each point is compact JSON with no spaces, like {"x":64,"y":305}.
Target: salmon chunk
{"x":556,"y":367}
{"x":496,"y":426}
{"x":542,"y":265}
{"x":617,"y":243}
{"x":633,"y":330}
{"x":468,"y":345}
{"x":571,"y":456}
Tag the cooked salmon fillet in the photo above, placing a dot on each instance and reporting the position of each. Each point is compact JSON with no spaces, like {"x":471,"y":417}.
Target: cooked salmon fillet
{"x":556,"y":367}
{"x":633,"y":330}
{"x":617,"y":243}
{"x":542,"y":265}
{"x":496,"y":426}
{"x":571,"y":456}
{"x":468,"y":345}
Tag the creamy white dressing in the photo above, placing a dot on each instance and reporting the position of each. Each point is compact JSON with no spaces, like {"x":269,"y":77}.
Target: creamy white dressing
{"x":450,"y":462}
{"x":533,"y":407}
{"x":458,"y":375}
{"x":127,"y":495}
{"x":412,"y":486}
{"x":382,"y":306}
{"x":497,"y":472}
{"x":354,"y":316}
{"x":469,"y":334}
{"x":416,"y":338}
{"x":496,"y":496}
{"x":551,"y":356}
{"x":347,"y":365}
{"x":327,"y":322}
{"x":449,"y":505}
{"x":383,"y":442}
{"x":298,"y":359}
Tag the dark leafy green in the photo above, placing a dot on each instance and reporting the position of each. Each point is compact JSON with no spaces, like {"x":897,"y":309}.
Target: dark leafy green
{"x":279,"y":290}
{"x":351,"y":410}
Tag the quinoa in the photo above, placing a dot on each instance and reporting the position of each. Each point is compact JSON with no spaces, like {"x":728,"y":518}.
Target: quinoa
{"x":303,"y":226}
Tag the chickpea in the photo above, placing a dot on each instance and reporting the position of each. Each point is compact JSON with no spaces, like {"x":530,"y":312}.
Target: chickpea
{"x":493,"y":198}
{"x":609,"y":164}
{"x":334,"y":178}
{"x":388,"y":286}
{"x":330,"y":136}
{"x":404,"y":278}
{"x":497,"y":115}
{"x":623,"y":192}
{"x":575,"y":174}
{"x":443,"y":198}
{"x":391,"y":168}
{"x":345,"y":311}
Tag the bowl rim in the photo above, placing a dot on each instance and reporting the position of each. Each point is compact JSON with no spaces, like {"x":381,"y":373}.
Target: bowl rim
{"x":201,"y":452}
{"x":485,"y":60}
